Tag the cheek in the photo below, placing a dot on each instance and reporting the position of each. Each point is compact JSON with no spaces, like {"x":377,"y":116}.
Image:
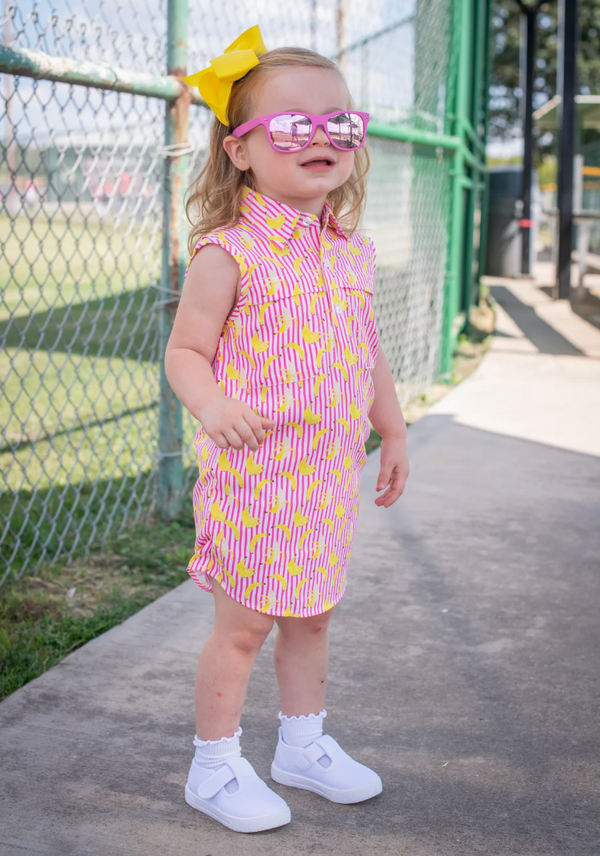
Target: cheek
{"x":346,"y":163}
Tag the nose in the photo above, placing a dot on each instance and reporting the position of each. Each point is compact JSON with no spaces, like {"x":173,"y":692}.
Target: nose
{"x":320,"y":137}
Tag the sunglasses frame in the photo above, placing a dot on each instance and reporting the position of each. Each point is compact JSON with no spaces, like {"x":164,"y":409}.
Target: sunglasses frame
{"x":316,"y":119}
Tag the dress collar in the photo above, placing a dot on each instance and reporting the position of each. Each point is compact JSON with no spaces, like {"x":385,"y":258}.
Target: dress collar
{"x":281,"y":219}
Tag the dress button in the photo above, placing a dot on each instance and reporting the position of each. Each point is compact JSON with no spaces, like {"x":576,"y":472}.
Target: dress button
{"x":305,"y":221}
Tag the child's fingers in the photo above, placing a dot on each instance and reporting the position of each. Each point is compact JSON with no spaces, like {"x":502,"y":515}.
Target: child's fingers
{"x":247,"y":433}
{"x":394,"y":490}
{"x":233,"y":438}
{"x":255,"y":423}
{"x":383,"y":479}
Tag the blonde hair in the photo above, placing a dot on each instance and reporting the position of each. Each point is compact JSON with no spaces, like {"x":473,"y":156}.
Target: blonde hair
{"x":216,"y":192}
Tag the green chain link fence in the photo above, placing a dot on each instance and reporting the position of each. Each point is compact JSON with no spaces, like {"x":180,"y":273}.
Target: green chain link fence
{"x":99,"y":143}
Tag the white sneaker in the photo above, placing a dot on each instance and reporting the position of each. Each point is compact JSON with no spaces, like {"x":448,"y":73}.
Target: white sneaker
{"x":235,"y":796}
{"x":324,"y":767}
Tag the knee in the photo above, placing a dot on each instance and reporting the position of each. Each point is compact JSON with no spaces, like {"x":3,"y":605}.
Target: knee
{"x":312,"y":627}
{"x":249,"y":640}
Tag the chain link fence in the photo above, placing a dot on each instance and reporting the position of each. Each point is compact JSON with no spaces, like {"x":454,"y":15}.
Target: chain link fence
{"x":83,"y":176}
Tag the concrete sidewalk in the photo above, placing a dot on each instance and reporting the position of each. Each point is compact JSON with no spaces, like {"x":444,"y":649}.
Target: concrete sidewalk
{"x":464,"y":666}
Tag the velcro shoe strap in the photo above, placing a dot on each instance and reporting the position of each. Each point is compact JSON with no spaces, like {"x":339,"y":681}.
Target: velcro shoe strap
{"x":236,"y":768}
{"x":324,"y":745}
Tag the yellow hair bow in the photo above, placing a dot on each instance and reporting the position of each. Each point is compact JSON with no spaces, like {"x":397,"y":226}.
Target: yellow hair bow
{"x":214,"y":83}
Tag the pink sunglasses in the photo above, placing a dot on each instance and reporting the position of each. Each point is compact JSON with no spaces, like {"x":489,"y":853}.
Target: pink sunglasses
{"x":292,"y":132}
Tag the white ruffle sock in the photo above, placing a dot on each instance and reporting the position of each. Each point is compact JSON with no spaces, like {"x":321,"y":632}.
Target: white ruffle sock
{"x":308,"y":759}
{"x":226,"y":787}
{"x":302,"y":730}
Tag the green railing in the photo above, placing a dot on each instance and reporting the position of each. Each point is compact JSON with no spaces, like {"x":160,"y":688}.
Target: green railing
{"x":93,"y":434}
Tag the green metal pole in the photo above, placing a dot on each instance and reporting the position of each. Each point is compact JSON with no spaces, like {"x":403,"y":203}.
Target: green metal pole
{"x":486,"y":115}
{"x":461,"y":62}
{"x":477,"y":44}
{"x":170,"y":444}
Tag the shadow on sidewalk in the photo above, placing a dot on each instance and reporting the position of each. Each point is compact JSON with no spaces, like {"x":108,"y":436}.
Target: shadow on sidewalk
{"x":545,"y":338}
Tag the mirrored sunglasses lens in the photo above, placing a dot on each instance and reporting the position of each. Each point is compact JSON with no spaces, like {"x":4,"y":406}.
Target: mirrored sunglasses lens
{"x":347,"y":130}
{"x":289,"y":132}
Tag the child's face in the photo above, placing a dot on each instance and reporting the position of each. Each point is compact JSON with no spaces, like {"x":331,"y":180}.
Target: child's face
{"x":286,"y":176}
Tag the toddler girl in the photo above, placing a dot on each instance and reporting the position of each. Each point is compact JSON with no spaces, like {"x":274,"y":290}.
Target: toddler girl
{"x":274,"y":351}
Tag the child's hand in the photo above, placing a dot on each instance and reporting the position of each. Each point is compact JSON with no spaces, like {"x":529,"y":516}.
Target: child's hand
{"x":393,"y":471}
{"x":230,"y":422}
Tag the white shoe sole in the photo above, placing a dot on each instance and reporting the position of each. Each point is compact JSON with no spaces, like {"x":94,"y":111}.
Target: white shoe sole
{"x":364,"y":792}
{"x":238,"y":824}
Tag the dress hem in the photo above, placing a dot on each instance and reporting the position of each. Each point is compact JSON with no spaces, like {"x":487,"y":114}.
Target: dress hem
{"x":194,"y":572}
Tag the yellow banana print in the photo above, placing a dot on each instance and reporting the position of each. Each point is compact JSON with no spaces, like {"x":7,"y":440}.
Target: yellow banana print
{"x":248,"y":520}
{"x":320,"y":433}
{"x":291,"y":478}
{"x":323,"y":571}
{"x":333,"y":558}
{"x":310,"y":417}
{"x":233,"y":528}
{"x":313,"y":301}
{"x":304,"y":536}
{"x":229,"y":576}
{"x":231,"y":372}
{"x":242,"y":570}
{"x":252,"y":468}
{"x":340,"y":510}
{"x":256,"y":539}
{"x":298,"y":349}
{"x":299,"y":586}
{"x":285,"y":529}
{"x":280,"y":579}
{"x":351,"y":358}
{"x":258,"y":344}
{"x":250,"y":588}
{"x":270,"y":359}
{"x":249,"y":357}
{"x":278,"y":250}
{"x":355,"y":411}
{"x":260,"y":486}
{"x":216,"y":513}
{"x":289,"y":613}
{"x":313,"y":487}
{"x":300,"y":519}
{"x":347,"y":462}
{"x":276,"y":222}
{"x":331,"y":525}
{"x":306,"y":469}
{"x":356,"y":251}
{"x":309,"y":336}
{"x":337,"y":474}
{"x":297,"y":428}
{"x":342,"y":368}
{"x":318,"y":381}
{"x":294,"y":569}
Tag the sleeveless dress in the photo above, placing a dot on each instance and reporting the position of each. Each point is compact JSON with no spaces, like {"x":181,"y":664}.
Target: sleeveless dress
{"x":275,"y":527}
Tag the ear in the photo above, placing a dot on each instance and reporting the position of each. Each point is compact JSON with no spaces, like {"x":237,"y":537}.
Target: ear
{"x":236,"y":150}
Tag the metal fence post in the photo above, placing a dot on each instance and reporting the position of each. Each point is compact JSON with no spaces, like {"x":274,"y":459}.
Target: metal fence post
{"x":461,"y":62}
{"x":170,"y":465}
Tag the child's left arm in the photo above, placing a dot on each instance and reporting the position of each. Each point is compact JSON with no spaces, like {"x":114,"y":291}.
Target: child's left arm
{"x":387,"y":419}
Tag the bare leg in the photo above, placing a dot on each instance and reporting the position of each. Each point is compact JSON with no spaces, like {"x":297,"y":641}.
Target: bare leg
{"x":301,"y":658}
{"x":225,"y":665}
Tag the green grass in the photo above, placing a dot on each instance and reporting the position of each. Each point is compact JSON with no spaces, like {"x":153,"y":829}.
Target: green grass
{"x":53,"y":262}
{"x":40,"y":624}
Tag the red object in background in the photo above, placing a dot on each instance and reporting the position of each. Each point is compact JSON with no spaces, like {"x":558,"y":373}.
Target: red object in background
{"x":526,"y":224}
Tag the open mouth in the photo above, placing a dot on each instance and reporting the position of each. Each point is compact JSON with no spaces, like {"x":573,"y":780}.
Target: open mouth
{"x":319,"y":162}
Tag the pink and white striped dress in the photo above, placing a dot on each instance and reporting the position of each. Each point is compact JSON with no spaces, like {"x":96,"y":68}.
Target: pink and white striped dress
{"x":275,"y":527}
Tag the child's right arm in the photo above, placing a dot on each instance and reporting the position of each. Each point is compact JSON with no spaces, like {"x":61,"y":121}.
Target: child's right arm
{"x":209,"y":294}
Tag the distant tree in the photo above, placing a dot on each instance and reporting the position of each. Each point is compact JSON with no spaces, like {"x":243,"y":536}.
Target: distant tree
{"x":505,"y":84}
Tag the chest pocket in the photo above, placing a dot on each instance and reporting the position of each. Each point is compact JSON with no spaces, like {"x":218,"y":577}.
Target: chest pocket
{"x":285,"y":336}
{"x":352,"y":302}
